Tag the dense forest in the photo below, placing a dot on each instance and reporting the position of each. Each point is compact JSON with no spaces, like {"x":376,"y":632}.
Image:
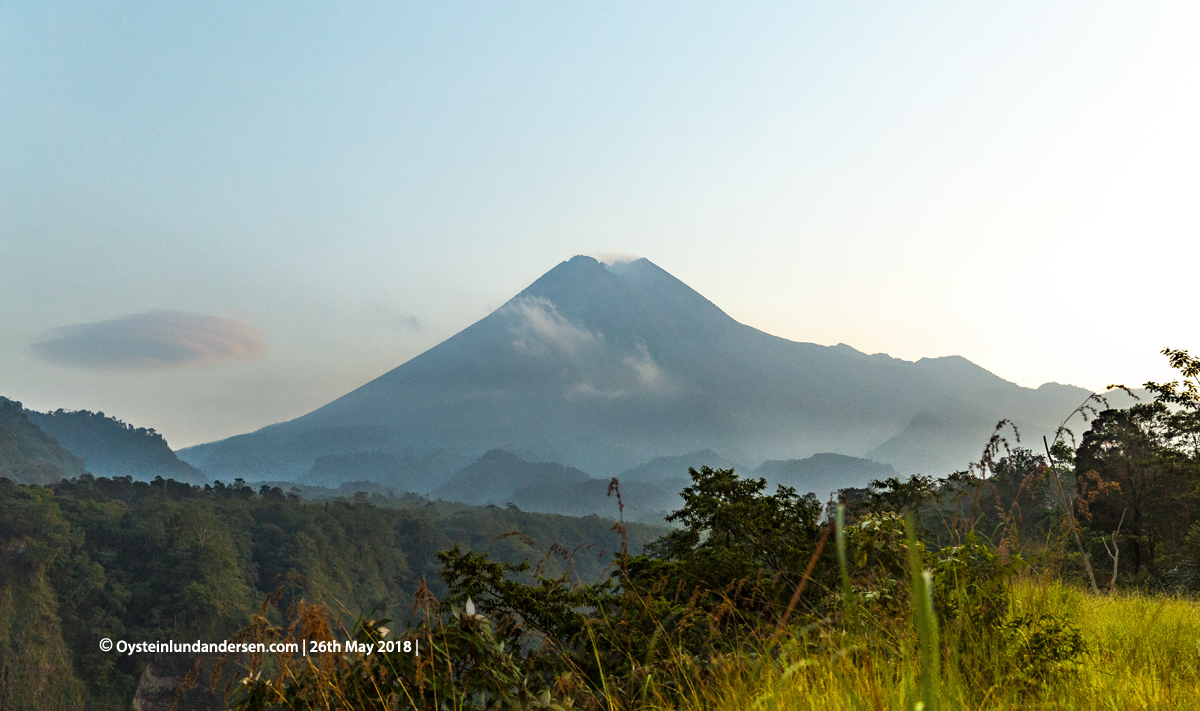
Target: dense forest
{"x":92,"y":557}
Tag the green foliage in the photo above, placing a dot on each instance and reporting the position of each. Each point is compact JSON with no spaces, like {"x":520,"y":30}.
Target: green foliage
{"x":926,"y":620}
{"x":877,"y":550}
{"x":735,"y":541}
{"x":35,"y":664}
{"x":460,"y":662}
{"x":113,"y":448}
{"x":719,"y":588}
{"x":1141,"y":466}
{"x":894,"y":494}
{"x":973,"y":583}
{"x":1041,"y":648}
{"x":96,"y":557}
{"x":1189,"y":568}
{"x":27,"y":454}
{"x":1140,"y":654}
{"x":1181,"y":400}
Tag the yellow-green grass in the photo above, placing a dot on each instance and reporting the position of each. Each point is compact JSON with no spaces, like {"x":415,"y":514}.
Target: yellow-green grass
{"x":1143,"y":652}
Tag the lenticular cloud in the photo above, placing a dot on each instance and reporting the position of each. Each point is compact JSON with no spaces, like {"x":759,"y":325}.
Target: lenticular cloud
{"x":152,"y":340}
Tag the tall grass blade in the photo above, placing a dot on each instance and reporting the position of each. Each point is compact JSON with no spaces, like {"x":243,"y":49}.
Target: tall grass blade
{"x":843,"y":566}
{"x":927,"y":627}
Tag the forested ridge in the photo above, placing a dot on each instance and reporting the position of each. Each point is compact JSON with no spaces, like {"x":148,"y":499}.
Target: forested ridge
{"x":27,"y":454}
{"x":110,"y":447}
{"x":93,"y":557}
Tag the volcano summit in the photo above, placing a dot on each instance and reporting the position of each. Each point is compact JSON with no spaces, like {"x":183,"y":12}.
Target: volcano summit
{"x":604,"y":367}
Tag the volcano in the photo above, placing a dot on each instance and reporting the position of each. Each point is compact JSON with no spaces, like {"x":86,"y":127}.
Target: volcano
{"x":605,"y":367}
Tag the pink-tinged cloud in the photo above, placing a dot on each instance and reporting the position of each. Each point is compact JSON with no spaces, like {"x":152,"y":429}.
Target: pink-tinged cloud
{"x":152,"y":340}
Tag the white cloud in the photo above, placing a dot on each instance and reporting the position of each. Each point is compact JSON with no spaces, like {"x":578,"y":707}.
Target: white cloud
{"x":539,"y":327}
{"x":647,"y":370}
{"x":611,"y":258}
{"x":152,"y":340}
{"x":587,"y":390}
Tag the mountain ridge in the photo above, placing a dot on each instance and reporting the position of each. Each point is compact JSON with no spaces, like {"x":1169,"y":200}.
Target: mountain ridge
{"x":606,"y":367}
{"x":112,"y":448}
{"x":28,"y":454}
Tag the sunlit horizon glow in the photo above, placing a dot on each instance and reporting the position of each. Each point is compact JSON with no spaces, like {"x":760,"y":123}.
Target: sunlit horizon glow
{"x":1014,"y":184}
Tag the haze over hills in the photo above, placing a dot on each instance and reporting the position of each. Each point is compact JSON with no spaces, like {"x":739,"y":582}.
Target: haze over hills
{"x":823,"y":473}
{"x":498,"y":475}
{"x":502,"y":478}
{"x":661,"y":469}
{"x":112,"y":448}
{"x":604,"y":368}
{"x":649,"y":492}
{"x":404,"y":470}
{"x":44,"y":447}
{"x":27,"y":454}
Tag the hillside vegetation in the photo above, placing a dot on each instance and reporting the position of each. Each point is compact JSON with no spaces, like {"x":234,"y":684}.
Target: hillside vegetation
{"x":112,"y":448}
{"x":27,"y":454}
{"x":92,"y":557}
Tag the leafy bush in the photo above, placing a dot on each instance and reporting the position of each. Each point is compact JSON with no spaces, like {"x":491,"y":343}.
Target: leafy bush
{"x":1041,"y":647}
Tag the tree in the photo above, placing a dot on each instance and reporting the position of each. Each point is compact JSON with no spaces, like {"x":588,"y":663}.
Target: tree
{"x":1149,"y":452}
{"x":1119,"y":448}
{"x":734,"y":536}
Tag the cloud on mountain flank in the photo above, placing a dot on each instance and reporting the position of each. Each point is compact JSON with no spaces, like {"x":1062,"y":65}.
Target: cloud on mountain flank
{"x":587,"y":390}
{"x":647,"y":370}
{"x":539,"y":327}
{"x":152,"y":340}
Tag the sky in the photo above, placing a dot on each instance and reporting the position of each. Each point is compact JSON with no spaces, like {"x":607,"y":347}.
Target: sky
{"x":216,"y":216}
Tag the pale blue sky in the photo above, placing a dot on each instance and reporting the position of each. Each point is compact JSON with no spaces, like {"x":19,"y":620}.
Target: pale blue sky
{"x":350,"y":184}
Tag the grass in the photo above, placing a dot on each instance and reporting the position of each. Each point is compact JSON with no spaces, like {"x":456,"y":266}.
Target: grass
{"x":1142,"y":652}
{"x":1145,"y":649}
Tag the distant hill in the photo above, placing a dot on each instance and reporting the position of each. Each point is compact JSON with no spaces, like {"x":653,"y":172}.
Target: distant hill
{"x":501,"y":478}
{"x":603,"y":368}
{"x":418,"y":472}
{"x":823,"y":474}
{"x":27,"y":454}
{"x":675,"y":468}
{"x":496,"y":476}
{"x":644,"y":503}
{"x":112,"y":448}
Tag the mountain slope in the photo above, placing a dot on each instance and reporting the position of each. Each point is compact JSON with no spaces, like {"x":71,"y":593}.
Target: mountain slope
{"x":604,"y":368}
{"x":676,"y":468}
{"x":496,"y":476}
{"x":112,"y":448}
{"x":501,"y":478}
{"x":27,"y":454}
{"x":823,"y":473}
{"x":418,"y":472}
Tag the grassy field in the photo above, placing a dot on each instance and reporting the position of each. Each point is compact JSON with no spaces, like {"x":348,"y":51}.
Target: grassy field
{"x":1141,"y":652}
